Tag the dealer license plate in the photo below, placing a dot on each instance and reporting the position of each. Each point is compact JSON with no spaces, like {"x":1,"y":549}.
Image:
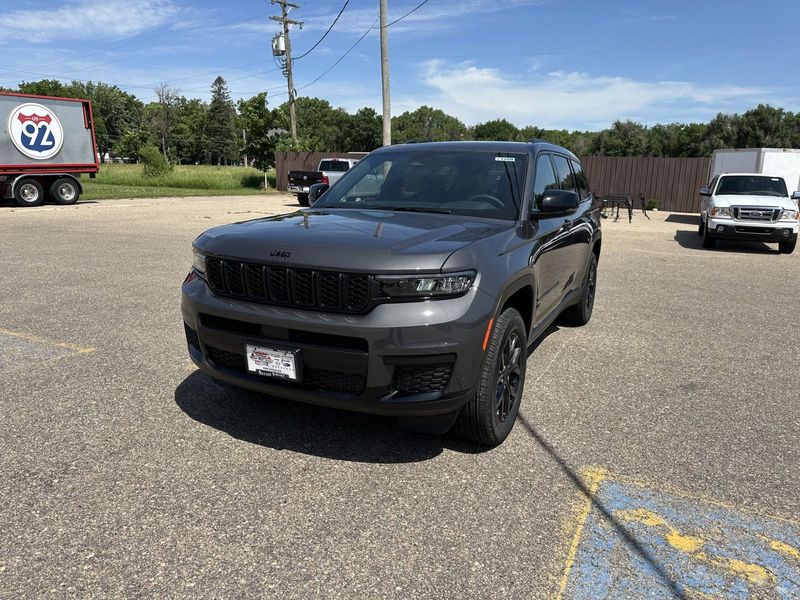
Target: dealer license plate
{"x":273,"y":362}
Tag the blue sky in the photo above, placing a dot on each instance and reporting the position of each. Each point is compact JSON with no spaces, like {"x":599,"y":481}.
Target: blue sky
{"x":569,"y":64}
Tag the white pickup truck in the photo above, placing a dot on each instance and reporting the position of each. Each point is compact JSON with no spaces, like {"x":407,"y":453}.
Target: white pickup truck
{"x":749,"y":207}
{"x":329,"y":171}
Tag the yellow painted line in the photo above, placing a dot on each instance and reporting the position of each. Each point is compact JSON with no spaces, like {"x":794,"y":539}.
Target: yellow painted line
{"x":668,"y":489}
{"x":37,"y":339}
{"x":593,"y":477}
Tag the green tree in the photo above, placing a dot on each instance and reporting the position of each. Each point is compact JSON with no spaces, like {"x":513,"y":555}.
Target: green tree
{"x":322,"y":127}
{"x":263,"y":129}
{"x":223,"y":140}
{"x":497,"y":129}
{"x":429,"y":124}
{"x":162,"y":116}
{"x":189,"y":137}
{"x":364,"y":131}
{"x":624,"y":138}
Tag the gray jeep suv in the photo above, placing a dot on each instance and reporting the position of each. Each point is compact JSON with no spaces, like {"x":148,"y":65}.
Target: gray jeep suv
{"x":413,"y":287}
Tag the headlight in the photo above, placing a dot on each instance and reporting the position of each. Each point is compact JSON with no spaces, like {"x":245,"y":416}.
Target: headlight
{"x":720,"y":211}
{"x":426,"y":286}
{"x":788,"y":215}
{"x":198,"y":261}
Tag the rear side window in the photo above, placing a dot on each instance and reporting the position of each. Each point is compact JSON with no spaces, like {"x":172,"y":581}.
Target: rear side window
{"x":580,"y":179}
{"x":564,"y":173}
{"x":334,"y":165}
{"x":545,"y":179}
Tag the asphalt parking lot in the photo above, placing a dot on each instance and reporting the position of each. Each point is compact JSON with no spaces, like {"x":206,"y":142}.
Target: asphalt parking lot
{"x":657,"y":453}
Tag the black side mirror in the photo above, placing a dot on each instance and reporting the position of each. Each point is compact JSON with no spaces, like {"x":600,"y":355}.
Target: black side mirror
{"x":558,"y":202}
{"x":704,"y":191}
{"x":315,"y":191}
{"x":795,"y":195}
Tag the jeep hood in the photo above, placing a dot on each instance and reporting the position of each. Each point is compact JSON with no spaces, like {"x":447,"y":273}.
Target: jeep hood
{"x":374,"y":241}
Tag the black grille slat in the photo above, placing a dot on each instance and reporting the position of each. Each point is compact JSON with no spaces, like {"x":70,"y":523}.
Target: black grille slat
{"x":330,"y":290}
{"x":277,"y":278}
{"x":357,"y":292}
{"x":256,"y":285}
{"x":214,"y":273}
{"x":302,"y":287}
{"x":234,"y":279}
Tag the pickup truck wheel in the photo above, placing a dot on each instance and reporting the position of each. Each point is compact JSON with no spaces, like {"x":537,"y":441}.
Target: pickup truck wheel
{"x":303,"y":199}
{"x":579,"y":314}
{"x":787,"y":247}
{"x":490,"y":414}
{"x":64,"y":191}
{"x":701,"y":228}
{"x":28,"y":192}
{"x":708,"y":241}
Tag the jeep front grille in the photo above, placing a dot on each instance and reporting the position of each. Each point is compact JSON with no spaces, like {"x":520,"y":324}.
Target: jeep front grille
{"x":755,"y":213}
{"x":303,"y":288}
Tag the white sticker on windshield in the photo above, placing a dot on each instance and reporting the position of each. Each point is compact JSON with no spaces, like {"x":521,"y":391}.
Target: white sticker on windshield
{"x":505,"y":158}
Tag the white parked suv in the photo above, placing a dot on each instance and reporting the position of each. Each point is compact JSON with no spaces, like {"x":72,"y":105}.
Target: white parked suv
{"x":749,"y":207}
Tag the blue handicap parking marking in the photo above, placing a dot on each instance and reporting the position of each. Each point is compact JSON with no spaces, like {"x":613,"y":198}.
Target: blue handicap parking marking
{"x":637,"y":542}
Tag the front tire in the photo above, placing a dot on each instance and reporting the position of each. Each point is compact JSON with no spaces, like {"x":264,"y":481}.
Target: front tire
{"x":708,"y":241}
{"x":65,"y":191}
{"x":787,"y":247}
{"x":490,"y":414}
{"x":28,"y":192}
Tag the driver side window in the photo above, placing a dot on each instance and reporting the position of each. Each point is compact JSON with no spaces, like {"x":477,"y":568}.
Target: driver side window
{"x":545,"y":179}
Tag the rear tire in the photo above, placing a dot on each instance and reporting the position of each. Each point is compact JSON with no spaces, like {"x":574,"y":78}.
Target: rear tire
{"x":708,"y":241}
{"x":490,"y":414}
{"x":28,"y":192}
{"x":787,"y":247}
{"x":65,"y":191}
{"x":303,"y":199}
{"x":579,"y":314}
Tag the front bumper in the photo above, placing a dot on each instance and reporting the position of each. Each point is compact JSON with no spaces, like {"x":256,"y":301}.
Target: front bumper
{"x":405,"y":359}
{"x":773,"y":232}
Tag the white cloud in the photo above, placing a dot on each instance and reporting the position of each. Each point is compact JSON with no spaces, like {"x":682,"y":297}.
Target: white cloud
{"x":88,"y":19}
{"x":576,"y":100}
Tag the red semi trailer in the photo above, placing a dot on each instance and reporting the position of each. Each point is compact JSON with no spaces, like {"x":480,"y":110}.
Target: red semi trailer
{"x":46,"y":143}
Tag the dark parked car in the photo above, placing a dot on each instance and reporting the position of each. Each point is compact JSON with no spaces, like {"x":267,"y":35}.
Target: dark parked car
{"x":412,"y":288}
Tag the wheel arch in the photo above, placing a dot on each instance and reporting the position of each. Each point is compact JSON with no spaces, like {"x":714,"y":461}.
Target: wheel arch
{"x":520,"y":294}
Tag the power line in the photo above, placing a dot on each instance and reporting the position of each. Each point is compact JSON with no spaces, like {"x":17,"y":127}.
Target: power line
{"x":326,"y":33}
{"x":408,"y":13}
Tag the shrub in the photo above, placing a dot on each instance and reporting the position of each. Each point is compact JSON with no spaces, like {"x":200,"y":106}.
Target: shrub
{"x":651,"y":204}
{"x":154,"y":162}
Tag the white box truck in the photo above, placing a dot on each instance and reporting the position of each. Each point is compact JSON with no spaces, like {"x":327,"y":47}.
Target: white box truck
{"x":775,"y":162}
{"x":46,"y":143}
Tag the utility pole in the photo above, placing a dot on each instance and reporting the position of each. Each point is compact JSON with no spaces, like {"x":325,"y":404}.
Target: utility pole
{"x":387,"y":101}
{"x":287,"y":69}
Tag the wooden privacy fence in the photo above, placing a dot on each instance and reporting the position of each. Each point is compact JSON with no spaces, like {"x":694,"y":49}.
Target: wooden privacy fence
{"x":674,"y":182}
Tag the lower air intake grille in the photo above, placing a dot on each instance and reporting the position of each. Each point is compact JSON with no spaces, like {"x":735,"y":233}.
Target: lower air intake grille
{"x":313,"y":379}
{"x":417,"y":379}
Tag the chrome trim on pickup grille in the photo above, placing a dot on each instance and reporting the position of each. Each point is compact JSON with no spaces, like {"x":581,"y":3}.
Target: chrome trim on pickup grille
{"x":768,"y":214}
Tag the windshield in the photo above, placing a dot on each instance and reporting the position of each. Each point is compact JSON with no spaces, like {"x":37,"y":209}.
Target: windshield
{"x":752,"y":185}
{"x":476,"y":184}
{"x":334,"y":165}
